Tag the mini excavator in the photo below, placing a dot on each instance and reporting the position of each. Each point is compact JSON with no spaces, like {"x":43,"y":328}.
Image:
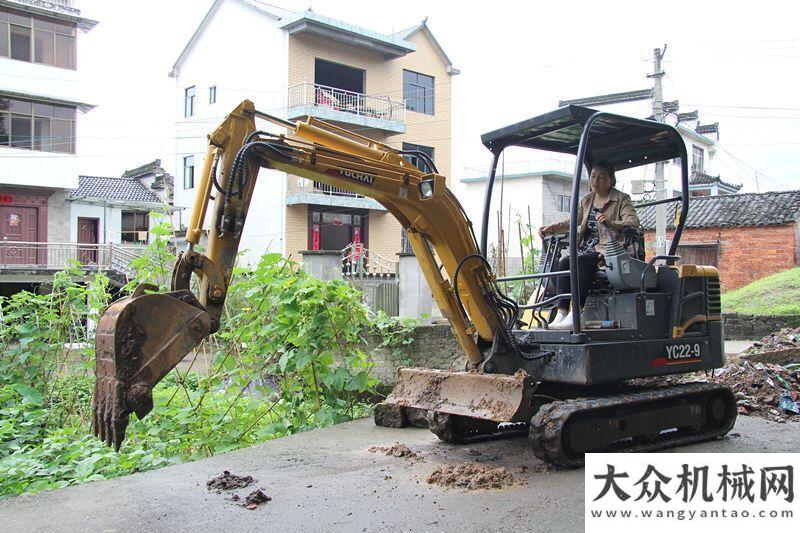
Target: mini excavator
{"x":568,"y":390}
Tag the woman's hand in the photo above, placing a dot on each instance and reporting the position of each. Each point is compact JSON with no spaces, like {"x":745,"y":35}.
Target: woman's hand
{"x":601,"y":218}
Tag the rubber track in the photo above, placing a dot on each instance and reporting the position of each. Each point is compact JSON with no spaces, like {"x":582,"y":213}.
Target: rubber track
{"x":548,"y":423}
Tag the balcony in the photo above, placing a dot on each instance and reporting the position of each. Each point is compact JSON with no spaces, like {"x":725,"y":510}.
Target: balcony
{"x":347,"y":107}
{"x":38,"y":261}
{"x":323,"y":194}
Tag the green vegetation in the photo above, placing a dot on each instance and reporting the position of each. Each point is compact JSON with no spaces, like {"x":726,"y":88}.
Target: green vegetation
{"x":290,"y":356}
{"x":778,"y":294}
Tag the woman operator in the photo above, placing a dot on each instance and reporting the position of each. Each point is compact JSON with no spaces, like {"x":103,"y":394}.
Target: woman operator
{"x":604,"y":205}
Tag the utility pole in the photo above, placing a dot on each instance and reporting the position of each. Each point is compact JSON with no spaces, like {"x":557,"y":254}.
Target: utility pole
{"x":660,"y":186}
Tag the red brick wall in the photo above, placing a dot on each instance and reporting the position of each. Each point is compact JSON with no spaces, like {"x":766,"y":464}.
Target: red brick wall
{"x":745,"y":254}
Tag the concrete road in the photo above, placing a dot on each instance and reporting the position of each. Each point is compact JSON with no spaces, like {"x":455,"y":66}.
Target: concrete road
{"x":327,"y":480}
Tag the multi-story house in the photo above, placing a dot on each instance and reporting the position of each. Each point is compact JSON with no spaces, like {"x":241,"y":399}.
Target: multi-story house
{"x":393,"y":88}
{"x":40,"y":110}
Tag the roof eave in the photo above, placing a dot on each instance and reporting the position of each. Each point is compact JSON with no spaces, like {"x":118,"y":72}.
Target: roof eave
{"x":312,"y":23}
{"x":175,"y":70}
{"x":83,"y":107}
{"x":424,"y":26}
{"x":122,"y":203}
{"x":83,"y":23}
{"x":693,"y":134}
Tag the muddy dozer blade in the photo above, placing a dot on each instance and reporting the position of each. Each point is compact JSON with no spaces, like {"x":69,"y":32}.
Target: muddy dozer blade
{"x":139,"y":339}
{"x":494,"y":397}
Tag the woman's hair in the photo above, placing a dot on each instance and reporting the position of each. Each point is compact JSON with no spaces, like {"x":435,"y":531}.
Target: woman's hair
{"x":608,"y":167}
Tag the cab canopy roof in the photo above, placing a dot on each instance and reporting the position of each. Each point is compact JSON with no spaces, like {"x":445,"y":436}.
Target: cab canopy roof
{"x":623,"y":141}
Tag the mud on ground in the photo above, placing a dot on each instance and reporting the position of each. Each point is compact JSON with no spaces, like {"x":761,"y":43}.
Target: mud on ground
{"x":471,"y":476}
{"x":396,"y":450}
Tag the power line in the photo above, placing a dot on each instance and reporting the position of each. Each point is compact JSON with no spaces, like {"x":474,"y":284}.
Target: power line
{"x":752,"y":167}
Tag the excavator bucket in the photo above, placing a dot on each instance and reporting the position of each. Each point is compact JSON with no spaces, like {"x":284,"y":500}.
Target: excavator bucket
{"x":139,"y":339}
{"x":491,"y":397}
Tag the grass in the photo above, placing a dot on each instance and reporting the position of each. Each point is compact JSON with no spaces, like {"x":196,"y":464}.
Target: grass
{"x":778,"y":294}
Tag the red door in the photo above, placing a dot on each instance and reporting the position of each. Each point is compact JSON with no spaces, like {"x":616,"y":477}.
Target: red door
{"x":87,"y":234}
{"x":18,"y":225}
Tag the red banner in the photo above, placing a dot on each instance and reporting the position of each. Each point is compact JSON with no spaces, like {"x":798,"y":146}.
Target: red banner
{"x":315,"y":237}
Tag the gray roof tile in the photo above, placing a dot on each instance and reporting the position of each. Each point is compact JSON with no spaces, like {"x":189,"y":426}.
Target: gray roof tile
{"x":701,"y":178}
{"x":732,"y":210}
{"x":124,"y":189}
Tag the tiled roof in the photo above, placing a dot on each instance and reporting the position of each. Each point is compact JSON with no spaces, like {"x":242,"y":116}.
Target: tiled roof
{"x":153,"y":167}
{"x":732,"y":210}
{"x":707,"y":128}
{"x":688,"y":116}
{"x":124,"y":189}
{"x":701,"y":178}
{"x":670,"y":107}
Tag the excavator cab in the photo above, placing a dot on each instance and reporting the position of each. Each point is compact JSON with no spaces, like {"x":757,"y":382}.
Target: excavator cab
{"x":642,"y":319}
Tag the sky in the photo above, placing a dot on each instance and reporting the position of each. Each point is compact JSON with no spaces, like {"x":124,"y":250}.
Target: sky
{"x":734,"y":62}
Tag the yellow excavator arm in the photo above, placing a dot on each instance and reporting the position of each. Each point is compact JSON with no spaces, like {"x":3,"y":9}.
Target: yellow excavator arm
{"x":142,"y":337}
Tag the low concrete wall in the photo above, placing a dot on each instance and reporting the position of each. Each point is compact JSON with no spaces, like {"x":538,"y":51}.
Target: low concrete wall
{"x":754,"y":327}
{"x":434,"y":346}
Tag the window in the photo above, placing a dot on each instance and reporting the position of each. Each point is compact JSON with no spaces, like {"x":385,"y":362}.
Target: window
{"x":415,"y":159}
{"x":135,"y":226}
{"x":564,"y":203}
{"x":188,"y":172}
{"x":188,"y":102}
{"x":37,"y":39}
{"x":698,"y":156}
{"x":418,"y":92}
{"x":32,"y":125}
{"x":212,"y":94}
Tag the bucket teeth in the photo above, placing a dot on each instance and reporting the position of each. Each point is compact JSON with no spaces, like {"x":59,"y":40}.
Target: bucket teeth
{"x":138,"y":341}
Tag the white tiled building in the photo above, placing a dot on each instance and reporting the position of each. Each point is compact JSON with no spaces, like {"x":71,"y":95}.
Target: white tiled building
{"x":40,"y":117}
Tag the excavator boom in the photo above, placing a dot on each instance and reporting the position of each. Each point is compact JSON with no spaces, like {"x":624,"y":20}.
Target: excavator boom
{"x":140,"y":338}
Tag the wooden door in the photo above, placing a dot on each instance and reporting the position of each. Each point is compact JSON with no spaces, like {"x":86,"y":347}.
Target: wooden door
{"x":18,"y":225}
{"x":88,"y":234}
{"x":699,"y":254}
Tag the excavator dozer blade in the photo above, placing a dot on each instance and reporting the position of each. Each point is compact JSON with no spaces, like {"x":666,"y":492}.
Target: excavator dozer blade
{"x":492,"y":397}
{"x":139,"y":339}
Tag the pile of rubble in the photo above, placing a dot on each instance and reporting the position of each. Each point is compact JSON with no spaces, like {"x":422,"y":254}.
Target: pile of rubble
{"x":781,"y":347}
{"x":763,"y":389}
{"x":766,"y":377}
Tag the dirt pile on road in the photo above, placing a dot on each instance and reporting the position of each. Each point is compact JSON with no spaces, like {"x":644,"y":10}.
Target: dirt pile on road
{"x":471,"y":476}
{"x":228,"y":481}
{"x":396,"y":450}
{"x":255,"y":498}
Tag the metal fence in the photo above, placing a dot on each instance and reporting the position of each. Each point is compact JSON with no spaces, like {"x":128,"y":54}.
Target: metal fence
{"x":55,"y":255}
{"x":375,"y":276}
{"x":314,"y":94}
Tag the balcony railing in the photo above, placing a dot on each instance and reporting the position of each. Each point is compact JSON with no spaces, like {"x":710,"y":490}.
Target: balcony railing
{"x":357,"y":261}
{"x":324,"y":188}
{"x":323,"y":96}
{"x":55,"y":255}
